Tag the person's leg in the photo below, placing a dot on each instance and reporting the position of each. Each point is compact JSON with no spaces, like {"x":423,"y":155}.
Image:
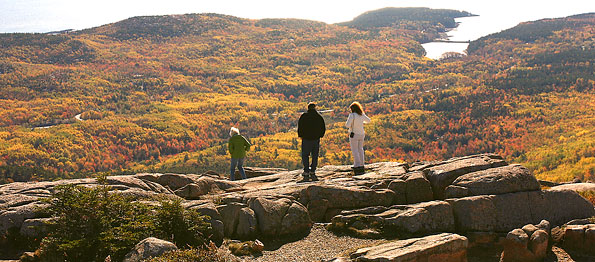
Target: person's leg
{"x":306,"y":150}
{"x":315,"y":151}
{"x":241,"y":167}
{"x":360,"y":151}
{"x":234,"y":162}
{"x":354,"y":150}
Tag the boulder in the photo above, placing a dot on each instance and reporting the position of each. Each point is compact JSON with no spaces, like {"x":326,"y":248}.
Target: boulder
{"x":442,"y":175}
{"x":386,"y":169}
{"x":172,"y":181}
{"x":577,"y":187}
{"x":193,"y":190}
{"x":418,"y":188}
{"x":538,"y":244}
{"x":347,"y":197}
{"x":427,"y":217}
{"x":258,"y":171}
{"x":278,"y":217}
{"x":148,"y":248}
{"x":580,"y":238}
{"x":15,"y":216}
{"x":247,"y":224}
{"x":399,"y":186}
{"x":515,"y":247}
{"x":296,"y":220}
{"x":34,"y":227}
{"x":502,"y":213}
{"x":442,"y":247}
{"x":558,"y":207}
{"x":269,"y":213}
{"x":317,"y":209}
{"x":527,"y":244}
{"x":209,"y":209}
{"x":129,"y":181}
{"x":230,"y":214}
{"x":493,"y":181}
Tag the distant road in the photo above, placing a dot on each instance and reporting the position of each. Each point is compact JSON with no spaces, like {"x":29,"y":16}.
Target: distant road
{"x":77,"y":117}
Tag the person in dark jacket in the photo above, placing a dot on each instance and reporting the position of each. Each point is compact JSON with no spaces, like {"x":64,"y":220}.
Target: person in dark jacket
{"x":310,"y":129}
{"x":237,"y":145}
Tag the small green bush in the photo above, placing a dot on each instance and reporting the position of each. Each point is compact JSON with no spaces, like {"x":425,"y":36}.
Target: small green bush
{"x":181,"y":226}
{"x":208,"y":254}
{"x":92,"y":223}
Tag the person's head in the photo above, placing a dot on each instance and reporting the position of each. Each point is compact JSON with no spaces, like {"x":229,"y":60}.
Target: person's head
{"x":311,"y":106}
{"x":234,"y":131}
{"x":356,"y":107}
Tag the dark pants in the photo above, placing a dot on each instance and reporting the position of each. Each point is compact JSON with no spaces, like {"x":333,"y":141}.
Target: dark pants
{"x":310,"y":147}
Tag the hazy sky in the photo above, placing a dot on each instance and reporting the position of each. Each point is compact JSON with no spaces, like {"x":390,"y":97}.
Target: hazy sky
{"x":49,"y":15}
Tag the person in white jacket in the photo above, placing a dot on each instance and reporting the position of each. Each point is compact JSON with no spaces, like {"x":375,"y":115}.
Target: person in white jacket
{"x":355,"y":123}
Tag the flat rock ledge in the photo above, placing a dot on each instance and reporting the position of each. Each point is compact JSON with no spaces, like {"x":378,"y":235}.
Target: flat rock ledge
{"x":445,"y":247}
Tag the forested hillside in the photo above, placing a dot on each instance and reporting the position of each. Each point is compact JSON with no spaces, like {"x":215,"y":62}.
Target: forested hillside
{"x":160,"y":94}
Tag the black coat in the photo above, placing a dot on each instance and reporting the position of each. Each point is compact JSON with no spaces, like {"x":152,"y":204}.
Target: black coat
{"x":311,"y":125}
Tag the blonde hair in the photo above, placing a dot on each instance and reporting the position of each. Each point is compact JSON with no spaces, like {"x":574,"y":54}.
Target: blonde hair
{"x":234,"y":131}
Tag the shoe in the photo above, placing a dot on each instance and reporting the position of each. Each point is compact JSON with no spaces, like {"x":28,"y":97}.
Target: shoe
{"x":305,"y":179}
{"x":313,"y":177}
{"x":359,"y":170}
{"x":306,"y":176}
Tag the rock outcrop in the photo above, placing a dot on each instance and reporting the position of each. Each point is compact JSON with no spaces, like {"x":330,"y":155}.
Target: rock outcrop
{"x":442,"y":247}
{"x":148,"y":248}
{"x":527,"y":244}
{"x":493,"y":181}
{"x":502,"y":213}
{"x":427,"y":217}
{"x":577,"y":187}
{"x":580,"y":238}
{"x":442,"y":175}
{"x":466,"y":195}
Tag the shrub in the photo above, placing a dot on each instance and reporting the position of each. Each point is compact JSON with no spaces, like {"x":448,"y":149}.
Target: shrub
{"x":208,"y":254}
{"x":181,"y":226}
{"x":92,"y":223}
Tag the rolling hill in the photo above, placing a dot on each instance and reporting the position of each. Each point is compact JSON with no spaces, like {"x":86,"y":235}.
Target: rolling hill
{"x":160,"y":93}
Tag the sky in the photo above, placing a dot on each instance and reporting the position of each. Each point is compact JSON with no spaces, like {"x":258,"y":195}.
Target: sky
{"x":52,"y":15}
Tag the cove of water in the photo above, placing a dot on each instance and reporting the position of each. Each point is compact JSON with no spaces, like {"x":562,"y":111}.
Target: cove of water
{"x":468,"y":29}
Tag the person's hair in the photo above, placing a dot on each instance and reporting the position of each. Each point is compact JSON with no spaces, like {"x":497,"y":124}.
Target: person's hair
{"x":311,"y":106}
{"x":234,"y":131}
{"x":356,"y":107}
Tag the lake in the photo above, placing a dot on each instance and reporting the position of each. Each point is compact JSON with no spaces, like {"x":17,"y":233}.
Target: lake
{"x":469,"y":29}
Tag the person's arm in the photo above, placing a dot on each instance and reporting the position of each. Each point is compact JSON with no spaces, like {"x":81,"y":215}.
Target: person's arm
{"x":230,"y":146}
{"x":349,"y":121}
{"x":246,"y":144}
{"x":301,"y":126}
{"x":323,"y":126}
{"x":366,"y":119}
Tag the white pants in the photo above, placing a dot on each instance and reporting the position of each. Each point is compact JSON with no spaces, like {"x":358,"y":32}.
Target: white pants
{"x":357,"y":149}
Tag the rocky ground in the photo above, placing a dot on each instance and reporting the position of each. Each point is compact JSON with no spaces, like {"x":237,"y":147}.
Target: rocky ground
{"x":322,"y":245}
{"x":482,"y":203}
{"x":319,"y":245}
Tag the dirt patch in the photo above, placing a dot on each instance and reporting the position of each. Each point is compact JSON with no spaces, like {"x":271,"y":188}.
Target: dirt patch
{"x":318,"y":245}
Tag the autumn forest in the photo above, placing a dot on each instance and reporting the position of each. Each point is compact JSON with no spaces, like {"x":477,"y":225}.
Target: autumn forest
{"x":159,"y":93}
